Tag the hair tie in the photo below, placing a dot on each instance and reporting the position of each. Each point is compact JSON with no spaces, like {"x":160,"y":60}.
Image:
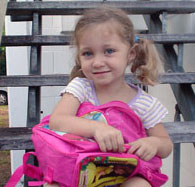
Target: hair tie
{"x":137,"y":39}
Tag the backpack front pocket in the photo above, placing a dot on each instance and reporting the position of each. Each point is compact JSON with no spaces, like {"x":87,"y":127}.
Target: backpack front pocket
{"x":105,"y":170}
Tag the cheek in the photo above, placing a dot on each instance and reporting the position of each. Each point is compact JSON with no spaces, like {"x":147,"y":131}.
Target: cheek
{"x":83,"y":64}
{"x":85,"y":68}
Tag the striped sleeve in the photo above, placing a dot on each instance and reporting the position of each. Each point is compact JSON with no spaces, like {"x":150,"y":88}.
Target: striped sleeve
{"x":154,"y":115}
{"x":149,"y":109}
{"x":76,"y":88}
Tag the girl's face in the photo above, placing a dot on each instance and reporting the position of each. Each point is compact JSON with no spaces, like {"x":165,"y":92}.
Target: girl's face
{"x":103,"y":55}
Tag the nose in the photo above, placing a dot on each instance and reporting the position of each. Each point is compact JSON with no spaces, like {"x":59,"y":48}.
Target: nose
{"x":98,"y":61}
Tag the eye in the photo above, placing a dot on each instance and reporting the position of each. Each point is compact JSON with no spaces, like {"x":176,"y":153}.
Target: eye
{"x":109,"y":51}
{"x":87,"y":54}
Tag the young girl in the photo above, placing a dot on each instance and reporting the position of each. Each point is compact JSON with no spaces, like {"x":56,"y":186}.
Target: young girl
{"x":105,"y":43}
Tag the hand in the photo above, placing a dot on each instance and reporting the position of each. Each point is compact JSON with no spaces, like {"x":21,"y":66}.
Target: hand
{"x":145,"y":148}
{"x":109,"y":138}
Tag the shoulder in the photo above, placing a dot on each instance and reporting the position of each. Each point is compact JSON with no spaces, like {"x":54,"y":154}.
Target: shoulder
{"x":143,"y":102}
{"x":78,"y":87}
{"x":149,"y":109}
{"x":78,"y":83}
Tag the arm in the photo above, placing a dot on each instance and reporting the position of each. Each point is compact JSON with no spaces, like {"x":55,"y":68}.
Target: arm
{"x":157,"y":143}
{"x":64,"y":119}
{"x":161,"y":139}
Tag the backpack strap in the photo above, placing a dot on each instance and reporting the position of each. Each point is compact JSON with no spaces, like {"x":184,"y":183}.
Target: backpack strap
{"x":121,"y":106}
{"x":28,"y":170}
{"x":14,"y":179}
{"x":118,"y":104}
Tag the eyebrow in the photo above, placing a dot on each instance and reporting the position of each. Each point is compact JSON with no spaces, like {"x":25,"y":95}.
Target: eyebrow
{"x":104,"y":46}
{"x":84,"y":49}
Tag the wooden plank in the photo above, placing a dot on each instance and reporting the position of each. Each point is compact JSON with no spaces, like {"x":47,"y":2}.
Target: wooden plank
{"x":36,"y":40}
{"x":3,"y":7}
{"x":15,"y":138}
{"x":170,"y":38}
{"x":181,"y":132}
{"x":19,"y":138}
{"x":184,"y":94}
{"x":77,"y":7}
{"x":21,"y":18}
{"x":33,"y":111}
{"x":33,"y":80}
{"x":49,"y":40}
{"x":34,"y":96}
{"x":176,"y":164}
{"x":63,"y":79}
{"x":176,"y":78}
{"x":176,"y":153}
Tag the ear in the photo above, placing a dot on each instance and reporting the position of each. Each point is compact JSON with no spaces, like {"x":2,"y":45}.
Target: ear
{"x":131,"y":55}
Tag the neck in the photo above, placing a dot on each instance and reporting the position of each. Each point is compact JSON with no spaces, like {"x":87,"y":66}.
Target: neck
{"x":113,"y":92}
{"x":111,"y":88}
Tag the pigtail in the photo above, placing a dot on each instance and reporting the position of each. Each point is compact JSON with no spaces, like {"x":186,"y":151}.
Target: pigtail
{"x":76,"y":71}
{"x":145,"y":64}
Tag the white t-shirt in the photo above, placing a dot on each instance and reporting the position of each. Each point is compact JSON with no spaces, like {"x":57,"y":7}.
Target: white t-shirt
{"x":148,"y":108}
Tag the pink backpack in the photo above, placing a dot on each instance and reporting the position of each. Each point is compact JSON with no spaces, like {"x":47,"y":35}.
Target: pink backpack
{"x":74,"y":161}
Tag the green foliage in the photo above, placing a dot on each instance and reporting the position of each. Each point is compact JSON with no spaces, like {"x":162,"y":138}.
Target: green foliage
{"x":2,"y":61}
{"x":2,"y":57}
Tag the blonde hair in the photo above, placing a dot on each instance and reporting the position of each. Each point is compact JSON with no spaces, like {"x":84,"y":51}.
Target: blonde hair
{"x":144,"y":66}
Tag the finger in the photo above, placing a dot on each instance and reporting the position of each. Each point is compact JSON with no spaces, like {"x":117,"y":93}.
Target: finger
{"x":146,"y":158}
{"x":102,"y":147}
{"x":140,"y":152}
{"x":134,"y":147}
{"x":114,"y":144}
{"x":120,"y":144}
{"x":108,"y":144}
{"x":101,"y":144}
{"x":150,"y":155}
{"x":143,"y":155}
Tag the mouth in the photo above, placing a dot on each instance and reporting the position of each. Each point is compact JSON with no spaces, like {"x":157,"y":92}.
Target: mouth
{"x":100,"y":72}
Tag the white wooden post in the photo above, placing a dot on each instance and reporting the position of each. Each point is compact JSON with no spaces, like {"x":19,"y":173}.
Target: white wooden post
{"x":3,"y":7}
